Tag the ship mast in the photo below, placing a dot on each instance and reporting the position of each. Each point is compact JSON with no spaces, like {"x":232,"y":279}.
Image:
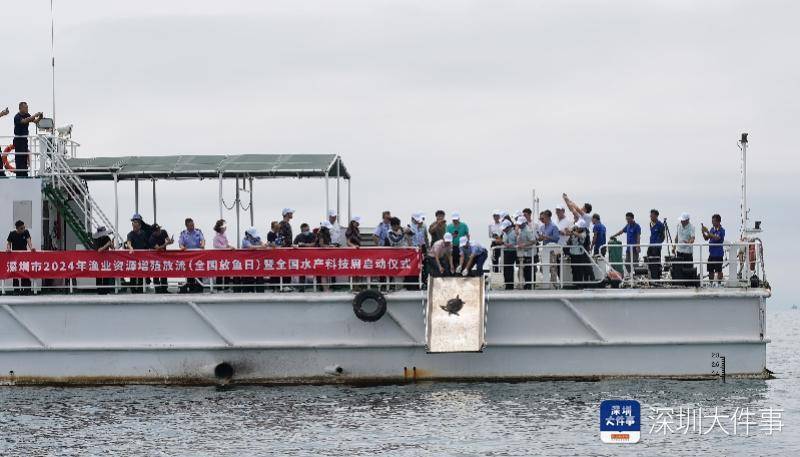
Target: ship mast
{"x":743,"y":200}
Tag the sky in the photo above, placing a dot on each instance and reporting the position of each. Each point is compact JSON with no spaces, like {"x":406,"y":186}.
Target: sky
{"x":461,"y":105}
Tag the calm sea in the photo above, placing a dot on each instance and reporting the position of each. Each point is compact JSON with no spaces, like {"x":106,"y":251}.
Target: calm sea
{"x":535,"y":418}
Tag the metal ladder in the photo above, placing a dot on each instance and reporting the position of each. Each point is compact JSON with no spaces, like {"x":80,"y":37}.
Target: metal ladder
{"x":67,"y":186}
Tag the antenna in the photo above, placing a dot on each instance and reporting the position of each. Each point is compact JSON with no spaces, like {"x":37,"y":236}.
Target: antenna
{"x":53,"y":59}
{"x":743,"y":199}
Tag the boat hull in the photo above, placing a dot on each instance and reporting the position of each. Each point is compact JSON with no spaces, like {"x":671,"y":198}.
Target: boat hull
{"x":288,"y":338}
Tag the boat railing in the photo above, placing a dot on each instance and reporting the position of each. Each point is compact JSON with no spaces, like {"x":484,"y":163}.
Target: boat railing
{"x":41,"y":150}
{"x":649,"y":265}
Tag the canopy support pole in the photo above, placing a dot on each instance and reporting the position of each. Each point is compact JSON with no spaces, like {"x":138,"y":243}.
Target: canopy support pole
{"x":327,"y":197}
{"x":238,"y":214}
{"x":252,"y":214}
{"x":349,"y":208}
{"x":116,"y":207}
{"x":155,"y":210}
{"x":338,"y":187}
{"x":136,"y":195}
{"x":220,"y":195}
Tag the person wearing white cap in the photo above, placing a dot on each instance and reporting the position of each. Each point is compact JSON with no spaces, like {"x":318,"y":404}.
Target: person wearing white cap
{"x":416,"y":231}
{"x":284,"y":238}
{"x":338,"y":237}
{"x":457,"y":229}
{"x":509,"y":253}
{"x":578,"y":251}
{"x":684,"y":238}
{"x":526,"y":240}
{"x":439,"y":259}
{"x":472,"y":254}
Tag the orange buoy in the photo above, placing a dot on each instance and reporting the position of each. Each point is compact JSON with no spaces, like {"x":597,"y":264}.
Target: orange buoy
{"x":6,"y":163}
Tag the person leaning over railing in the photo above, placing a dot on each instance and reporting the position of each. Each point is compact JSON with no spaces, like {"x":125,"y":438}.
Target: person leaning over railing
{"x":633,"y":237}
{"x":657,"y":235}
{"x":578,"y":243}
{"x":102,"y":242}
{"x":22,"y":120}
{"x":252,"y":241}
{"x":440,"y":257}
{"x":715,"y":237}
{"x":19,"y":239}
{"x":159,"y":240}
{"x":220,"y":241}
{"x":191,"y":238}
{"x":305,"y":239}
{"x":137,"y":239}
{"x":472,"y":254}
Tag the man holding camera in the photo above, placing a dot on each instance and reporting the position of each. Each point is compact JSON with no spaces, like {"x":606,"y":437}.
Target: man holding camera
{"x":21,"y":151}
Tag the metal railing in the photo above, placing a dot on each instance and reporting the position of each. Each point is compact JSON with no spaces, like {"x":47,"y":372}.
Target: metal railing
{"x":41,"y":148}
{"x":649,"y":265}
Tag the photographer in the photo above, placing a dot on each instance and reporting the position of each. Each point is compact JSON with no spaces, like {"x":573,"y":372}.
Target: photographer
{"x":21,"y":124}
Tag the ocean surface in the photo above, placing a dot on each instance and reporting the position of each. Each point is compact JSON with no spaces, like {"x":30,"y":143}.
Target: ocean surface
{"x":533,"y":418}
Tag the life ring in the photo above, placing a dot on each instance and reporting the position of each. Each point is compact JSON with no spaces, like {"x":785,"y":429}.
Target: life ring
{"x":369,"y":316}
{"x":6,"y":164}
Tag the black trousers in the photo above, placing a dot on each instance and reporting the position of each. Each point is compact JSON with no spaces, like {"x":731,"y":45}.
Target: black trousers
{"x":104,"y":285}
{"x":136,"y":285}
{"x":496,"y":257}
{"x":509,"y":259}
{"x":526,"y":263}
{"x":581,"y":270}
{"x":22,"y":286}
{"x":160,"y":285}
{"x":21,"y":156}
{"x":653,"y":261}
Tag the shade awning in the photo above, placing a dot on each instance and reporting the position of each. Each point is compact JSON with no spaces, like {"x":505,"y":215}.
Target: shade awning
{"x":210,"y":166}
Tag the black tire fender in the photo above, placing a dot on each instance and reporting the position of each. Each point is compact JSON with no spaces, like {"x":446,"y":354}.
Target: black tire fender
{"x":369,"y":316}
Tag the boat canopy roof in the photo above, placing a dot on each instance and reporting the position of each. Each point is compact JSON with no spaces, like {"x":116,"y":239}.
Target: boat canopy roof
{"x":210,"y":166}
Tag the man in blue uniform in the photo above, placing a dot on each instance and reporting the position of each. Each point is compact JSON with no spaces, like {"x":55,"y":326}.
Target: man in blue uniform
{"x":21,"y":122}
{"x":715,"y":237}
{"x":657,"y":235}
{"x":633,"y":235}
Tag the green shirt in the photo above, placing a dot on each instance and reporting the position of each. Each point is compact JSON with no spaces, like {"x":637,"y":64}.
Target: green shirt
{"x":462,"y":230}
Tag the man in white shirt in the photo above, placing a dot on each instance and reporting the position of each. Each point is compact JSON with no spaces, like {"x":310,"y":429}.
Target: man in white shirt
{"x":580,"y":212}
{"x":563,"y":223}
{"x":338,"y":237}
{"x":684,"y":237}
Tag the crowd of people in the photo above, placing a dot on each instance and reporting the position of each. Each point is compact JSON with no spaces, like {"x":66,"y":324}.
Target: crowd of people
{"x":448,"y":246}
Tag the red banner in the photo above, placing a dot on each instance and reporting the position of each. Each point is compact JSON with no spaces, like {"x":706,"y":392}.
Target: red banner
{"x":211,"y":263}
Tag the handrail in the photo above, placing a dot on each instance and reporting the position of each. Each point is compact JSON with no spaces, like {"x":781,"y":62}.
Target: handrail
{"x":742,"y":260}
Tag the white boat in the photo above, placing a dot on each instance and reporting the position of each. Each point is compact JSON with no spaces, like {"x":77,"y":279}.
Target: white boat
{"x":641,"y":327}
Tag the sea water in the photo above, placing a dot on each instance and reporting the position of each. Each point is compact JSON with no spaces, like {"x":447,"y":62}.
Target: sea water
{"x":532,"y":418}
